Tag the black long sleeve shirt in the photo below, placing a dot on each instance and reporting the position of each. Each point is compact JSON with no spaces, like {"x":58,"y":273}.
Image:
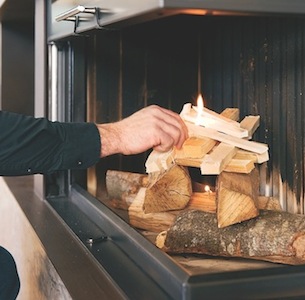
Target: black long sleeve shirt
{"x":35,"y":145}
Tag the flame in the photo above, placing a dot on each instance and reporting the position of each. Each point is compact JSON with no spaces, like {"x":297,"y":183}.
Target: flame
{"x":200,"y":107}
{"x":200,"y":104}
{"x":207,"y":189}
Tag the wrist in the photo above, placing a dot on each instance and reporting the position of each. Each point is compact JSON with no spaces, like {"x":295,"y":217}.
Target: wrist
{"x":110,"y":141}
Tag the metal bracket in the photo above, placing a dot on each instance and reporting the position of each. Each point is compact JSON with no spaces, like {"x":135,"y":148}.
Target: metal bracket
{"x":74,"y":15}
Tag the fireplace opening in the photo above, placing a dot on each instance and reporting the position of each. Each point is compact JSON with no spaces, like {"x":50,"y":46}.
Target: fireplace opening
{"x":253,"y":63}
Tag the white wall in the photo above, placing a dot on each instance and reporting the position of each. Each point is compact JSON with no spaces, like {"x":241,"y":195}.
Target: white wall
{"x":39,"y":279}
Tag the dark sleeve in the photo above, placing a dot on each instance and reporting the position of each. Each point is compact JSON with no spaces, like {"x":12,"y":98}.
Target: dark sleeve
{"x":35,"y":145}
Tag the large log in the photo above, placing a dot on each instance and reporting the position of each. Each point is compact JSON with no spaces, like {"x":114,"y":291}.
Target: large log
{"x":272,"y":236}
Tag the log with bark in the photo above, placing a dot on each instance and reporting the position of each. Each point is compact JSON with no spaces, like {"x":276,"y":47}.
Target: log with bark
{"x":272,"y":236}
{"x":122,"y":187}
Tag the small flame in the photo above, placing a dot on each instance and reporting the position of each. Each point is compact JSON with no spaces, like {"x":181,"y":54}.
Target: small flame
{"x":200,"y":104}
{"x":200,"y":107}
{"x":207,"y":189}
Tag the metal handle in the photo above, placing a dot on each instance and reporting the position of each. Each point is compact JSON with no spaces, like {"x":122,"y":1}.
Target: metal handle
{"x":67,"y":15}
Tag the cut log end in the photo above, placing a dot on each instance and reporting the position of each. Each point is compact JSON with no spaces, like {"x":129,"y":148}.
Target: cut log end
{"x":237,"y":197}
{"x":171,"y":190}
{"x":236,"y":208}
{"x":154,"y":222}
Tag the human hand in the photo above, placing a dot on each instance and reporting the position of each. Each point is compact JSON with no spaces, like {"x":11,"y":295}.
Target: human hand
{"x":151,"y":127}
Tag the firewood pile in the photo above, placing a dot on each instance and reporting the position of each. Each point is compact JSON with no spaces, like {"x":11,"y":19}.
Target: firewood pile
{"x":232,"y":220}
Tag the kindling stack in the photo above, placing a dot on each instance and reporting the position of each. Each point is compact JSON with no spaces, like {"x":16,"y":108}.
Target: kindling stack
{"x":226,"y":149}
{"x":219,"y":145}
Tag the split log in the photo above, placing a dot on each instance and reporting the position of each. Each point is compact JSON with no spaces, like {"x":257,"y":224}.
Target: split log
{"x":169,"y":190}
{"x":154,"y":222}
{"x":272,"y":236}
{"x":237,"y":196}
{"x":269,"y":203}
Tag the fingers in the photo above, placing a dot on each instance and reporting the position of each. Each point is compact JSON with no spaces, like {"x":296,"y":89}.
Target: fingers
{"x":172,"y":131}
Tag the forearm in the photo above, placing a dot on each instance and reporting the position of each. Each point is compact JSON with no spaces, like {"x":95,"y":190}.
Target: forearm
{"x":29,"y":145}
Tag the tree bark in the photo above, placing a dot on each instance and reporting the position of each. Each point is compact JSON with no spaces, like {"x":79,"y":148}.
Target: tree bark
{"x":122,"y":187}
{"x":272,"y":236}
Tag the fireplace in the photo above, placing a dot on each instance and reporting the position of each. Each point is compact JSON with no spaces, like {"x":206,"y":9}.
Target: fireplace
{"x":105,"y":63}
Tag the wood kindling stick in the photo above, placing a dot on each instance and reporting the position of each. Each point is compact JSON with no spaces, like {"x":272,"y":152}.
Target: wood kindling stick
{"x":213,"y":120}
{"x":215,"y":162}
{"x":250,"y":123}
{"x":257,"y":158}
{"x":199,"y":131}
